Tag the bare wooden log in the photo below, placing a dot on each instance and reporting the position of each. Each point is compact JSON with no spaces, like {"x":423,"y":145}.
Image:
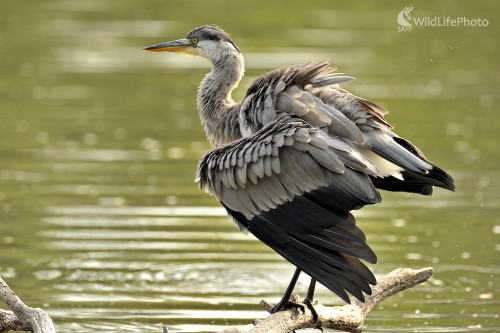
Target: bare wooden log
{"x":348,"y":318}
{"x":10,"y":322}
{"x":28,"y":319}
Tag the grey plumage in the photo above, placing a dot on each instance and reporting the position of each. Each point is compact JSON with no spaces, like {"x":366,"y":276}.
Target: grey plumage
{"x":294,"y":157}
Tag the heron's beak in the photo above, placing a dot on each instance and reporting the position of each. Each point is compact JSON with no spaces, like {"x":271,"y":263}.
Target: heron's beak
{"x":177,"y":46}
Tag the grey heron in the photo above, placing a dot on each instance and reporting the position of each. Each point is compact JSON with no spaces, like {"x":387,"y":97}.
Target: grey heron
{"x":295,"y":157}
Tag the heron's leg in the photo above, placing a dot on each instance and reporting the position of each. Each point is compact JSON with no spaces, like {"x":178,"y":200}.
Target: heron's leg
{"x":286,"y":297}
{"x":310,"y":298}
{"x":310,"y":292}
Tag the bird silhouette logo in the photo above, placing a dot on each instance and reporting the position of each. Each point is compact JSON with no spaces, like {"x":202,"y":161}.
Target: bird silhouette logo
{"x":404,"y":17}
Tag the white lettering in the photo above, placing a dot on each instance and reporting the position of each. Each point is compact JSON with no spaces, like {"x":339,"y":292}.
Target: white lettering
{"x":404,"y":29}
{"x":406,"y":21}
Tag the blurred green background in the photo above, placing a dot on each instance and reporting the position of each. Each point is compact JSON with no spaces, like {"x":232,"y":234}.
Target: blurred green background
{"x":101,"y":223}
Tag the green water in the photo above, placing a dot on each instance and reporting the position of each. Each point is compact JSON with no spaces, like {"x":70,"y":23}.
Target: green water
{"x":101,"y":223}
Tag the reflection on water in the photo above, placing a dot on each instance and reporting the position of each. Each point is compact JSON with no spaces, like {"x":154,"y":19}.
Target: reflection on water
{"x":102,"y":225}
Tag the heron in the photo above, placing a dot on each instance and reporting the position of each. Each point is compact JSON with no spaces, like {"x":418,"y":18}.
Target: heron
{"x":295,"y":157}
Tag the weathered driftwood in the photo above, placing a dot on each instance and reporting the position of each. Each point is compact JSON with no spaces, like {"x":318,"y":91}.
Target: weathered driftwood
{"x":22,"y":318}
{"x":10,"y":322}
{"x":348,"y":318}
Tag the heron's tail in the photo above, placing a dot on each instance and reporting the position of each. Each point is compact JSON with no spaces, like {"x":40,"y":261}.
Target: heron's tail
{"x":413,"y":180}
{"x":416,"y":183}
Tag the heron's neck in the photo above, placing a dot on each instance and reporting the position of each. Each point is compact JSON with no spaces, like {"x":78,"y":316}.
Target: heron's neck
{"x":218,"y":111}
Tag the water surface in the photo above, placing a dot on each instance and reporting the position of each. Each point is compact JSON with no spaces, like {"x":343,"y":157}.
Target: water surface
{"x":101,"y":223}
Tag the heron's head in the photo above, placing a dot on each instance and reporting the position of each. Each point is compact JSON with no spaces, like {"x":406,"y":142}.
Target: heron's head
{"x":207,"y":41}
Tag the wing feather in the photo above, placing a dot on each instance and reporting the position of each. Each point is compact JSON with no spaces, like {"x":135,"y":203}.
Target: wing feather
{"x":278,"y":194}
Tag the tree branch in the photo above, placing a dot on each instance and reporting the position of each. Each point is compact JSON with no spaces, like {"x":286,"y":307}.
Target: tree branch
{"x":348,"y":318}
{"x":23,"y":317}
{"x":10,"y":322}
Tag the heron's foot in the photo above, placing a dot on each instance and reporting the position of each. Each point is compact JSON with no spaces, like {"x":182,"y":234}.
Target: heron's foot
{"x":310,"y":305}
{"x":286,"y":303}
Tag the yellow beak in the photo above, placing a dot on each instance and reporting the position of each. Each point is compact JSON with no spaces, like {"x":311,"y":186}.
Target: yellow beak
{"x":177,"y":46}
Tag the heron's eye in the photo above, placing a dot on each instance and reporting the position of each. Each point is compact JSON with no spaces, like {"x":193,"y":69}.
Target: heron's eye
{"x":195,"y":40}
